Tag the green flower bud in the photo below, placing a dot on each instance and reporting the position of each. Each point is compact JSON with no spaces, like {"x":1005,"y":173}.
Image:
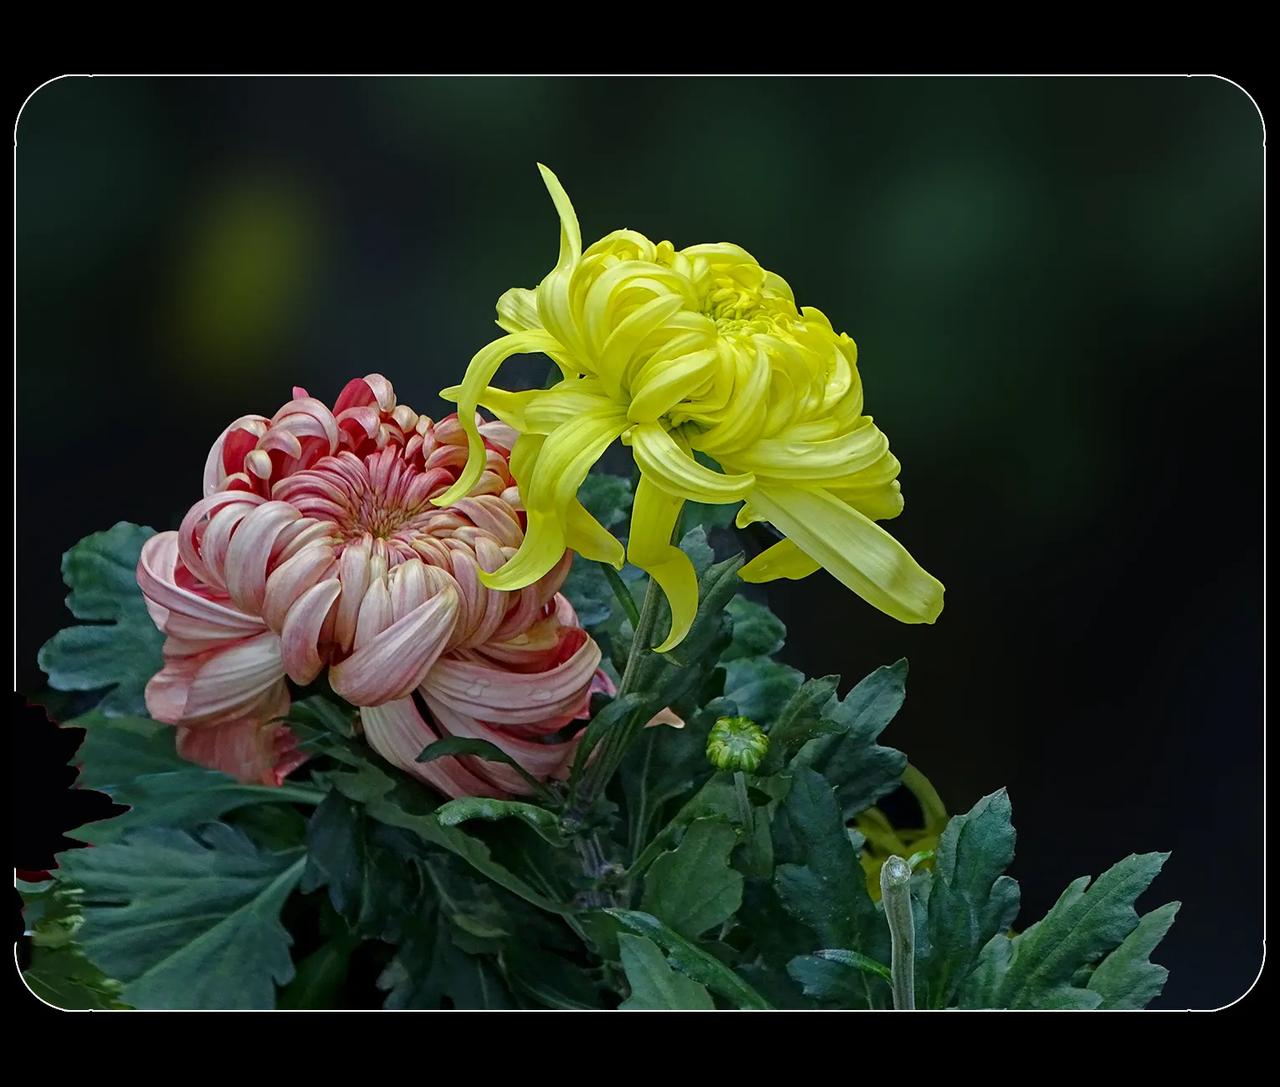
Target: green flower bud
{"x":736,"y":743}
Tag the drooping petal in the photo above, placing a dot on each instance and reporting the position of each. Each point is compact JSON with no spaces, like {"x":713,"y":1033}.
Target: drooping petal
{"x":783,"y":560}
{"x":391,"y":664}
{"x":857,"y":551}
{"x":224,"y":684}
{"x":397,"y":732}
{"x":254,"y":750}
{"x":653,"y":520}
{"x":672,"y":469}
{"x":477,"y":689}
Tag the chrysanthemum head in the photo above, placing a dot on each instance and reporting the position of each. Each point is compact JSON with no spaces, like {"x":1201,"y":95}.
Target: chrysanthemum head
{"x":700,"y":360}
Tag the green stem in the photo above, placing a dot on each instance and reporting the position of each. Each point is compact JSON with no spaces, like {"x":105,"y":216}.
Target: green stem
{"x":299,"y":793}
{"x":895,"y":893}
{"x":744,"y":803}
{"x":622,"y":593}
{"x":614,"y":745}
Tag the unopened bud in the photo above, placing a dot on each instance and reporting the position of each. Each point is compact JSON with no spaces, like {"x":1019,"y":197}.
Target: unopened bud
{"x":736,"y":743}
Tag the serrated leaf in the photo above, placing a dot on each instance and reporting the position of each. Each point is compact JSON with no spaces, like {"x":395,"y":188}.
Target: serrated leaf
{"x":654,"y":985}
{"x":800,"y":720}
{"x":1041,"y":965}
{"x":187,"y":920}
{"x":760,"y":687}
{"x":969,"y":901}
{"x":861,"y":770}
{"x":429,"y":971}
{"x":120,"y":652}
{"x":691,"y":960}
{"x":59,"y":972}
{"x":133,"y":761}
{"x":757,"y":632}
{"x":366,"y":867}
{"x":834,"y":978}
{"x":1127,"y":978}
{"x":822,"y":884}
{"x":692,"y":887}
{"x":606,"y":497}
{"x":544,"y":822}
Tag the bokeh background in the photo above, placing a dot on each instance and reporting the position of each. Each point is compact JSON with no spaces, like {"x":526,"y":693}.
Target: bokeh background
{"x":1055,"y":286}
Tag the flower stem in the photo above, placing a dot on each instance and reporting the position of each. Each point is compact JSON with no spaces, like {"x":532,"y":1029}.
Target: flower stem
{"x":895,"y":893}
{"x":744,"y":803}
{"x":614,"y":745}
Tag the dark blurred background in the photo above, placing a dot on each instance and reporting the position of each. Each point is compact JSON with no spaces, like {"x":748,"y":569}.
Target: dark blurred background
{"x":1056,"y":290}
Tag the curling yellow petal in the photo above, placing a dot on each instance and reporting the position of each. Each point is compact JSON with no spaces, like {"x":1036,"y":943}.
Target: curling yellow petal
{"x":784,"y":559}
{"x":479,"y":373}
{"x":671,"y":467}
{"x":589,"y":538}
{"x":653,"y":520}
{"x":543,"y":546}
{"x":836,"y":458}
{"x":570,"y":233}
{"x":857,"y":551}
{"x":511,"y":408}
{"x":549,"y":476}
{"x":518,"y":310}
{"x":661,"y":386}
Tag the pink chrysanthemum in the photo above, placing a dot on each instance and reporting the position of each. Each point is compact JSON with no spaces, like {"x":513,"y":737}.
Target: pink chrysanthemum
{"x":317,"y":547}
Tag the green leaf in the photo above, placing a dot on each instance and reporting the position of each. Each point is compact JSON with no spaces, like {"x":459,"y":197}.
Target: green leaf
{"x":654,"y":985}
{"x":799,"y":721}
{"x":823,"y":885}
{"x":368,"y":868}
{"x":861,"y":770}
{"x":757,"y":632}
{"x":969,"y":902}
{"x":1040,"y":967}
{"x":121,"y":651}
{"x":692,"y":887}
{"x":1127,"y":978}
{"x":430,"y":971}
{"x":544,"y":822}
{"x":319,"y":978}
{"x":690,"y":960}
{"x":133,"y":761}
{"x":187,"y":920}
{"x":760,"y":687}
{"x":606,"y":497}
{"x":834,"y":977}
{"x":59,"y":973}
{"x":481,"y":749}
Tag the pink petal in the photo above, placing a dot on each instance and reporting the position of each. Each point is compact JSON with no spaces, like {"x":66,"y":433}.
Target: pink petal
{"x":397,"y":732}
{"x":392,"y":664}
{"x":299,"y":640}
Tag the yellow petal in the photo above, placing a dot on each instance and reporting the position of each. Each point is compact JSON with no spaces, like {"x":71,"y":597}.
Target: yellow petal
{"x":549,"y":482}
{"x":668,"y":465}
{"x":836,"y":458}
{"x":479,"y":373}
{"x":543,"y":545}
{"x":589,"y":538}
{"x":653,"y":519}
{"x":518,"y":310}
{"x":570,"y":233}
{"x":783,"y":559}
{"x":660,"y":386}
{"x":857,"y":551}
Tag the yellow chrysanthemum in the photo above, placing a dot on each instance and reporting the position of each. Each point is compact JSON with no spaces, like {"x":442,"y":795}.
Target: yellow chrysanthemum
{"x":677,"y":352}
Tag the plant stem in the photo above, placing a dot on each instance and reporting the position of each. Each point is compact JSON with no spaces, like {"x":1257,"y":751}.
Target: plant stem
{"x":895,"y":893}
{"x":621,"y":593}
{"x":614,"y":745}
{"x":744,"y":803}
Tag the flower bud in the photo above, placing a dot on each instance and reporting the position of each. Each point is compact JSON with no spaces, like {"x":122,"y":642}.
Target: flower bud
{"x":736,"y":743}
